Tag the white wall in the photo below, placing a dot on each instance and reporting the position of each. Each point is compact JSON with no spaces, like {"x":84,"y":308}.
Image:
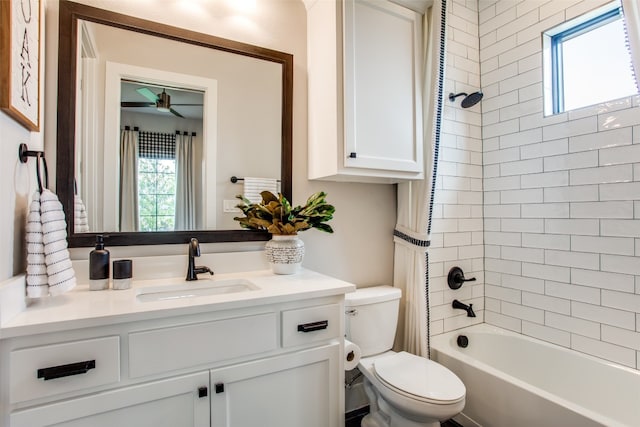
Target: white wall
{"x":361,"y":249}
{"x":562,"y":196}
{"x":18,"y":183}
{"x":457,"y":225}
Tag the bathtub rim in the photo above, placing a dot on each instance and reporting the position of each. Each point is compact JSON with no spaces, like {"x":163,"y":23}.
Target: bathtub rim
{"x":447,"y":341}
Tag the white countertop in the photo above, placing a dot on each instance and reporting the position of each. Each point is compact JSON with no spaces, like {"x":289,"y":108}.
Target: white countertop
{"x":81,"y":307}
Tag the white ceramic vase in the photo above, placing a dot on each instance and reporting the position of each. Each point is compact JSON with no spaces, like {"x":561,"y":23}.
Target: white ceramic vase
{"x":284,"y":253}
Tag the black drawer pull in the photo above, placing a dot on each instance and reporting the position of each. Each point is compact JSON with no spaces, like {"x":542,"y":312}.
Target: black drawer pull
{"x":314,"y":326}
{"x":66,"y":370}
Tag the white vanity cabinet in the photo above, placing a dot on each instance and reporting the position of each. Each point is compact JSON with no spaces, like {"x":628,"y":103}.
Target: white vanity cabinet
{"x":364,"y":91}
{"x":172,"y":402}
{"x":296,"y":389}
{"x":271,"y":365}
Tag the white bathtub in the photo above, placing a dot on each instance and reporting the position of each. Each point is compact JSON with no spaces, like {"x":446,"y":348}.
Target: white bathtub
{"x":516,"y":381}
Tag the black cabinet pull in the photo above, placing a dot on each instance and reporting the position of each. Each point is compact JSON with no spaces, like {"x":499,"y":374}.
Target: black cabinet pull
{"x":66,"y":370}
{"x":219,"y":388}
{"x":313,"y":326}
{"x":203,"y":392}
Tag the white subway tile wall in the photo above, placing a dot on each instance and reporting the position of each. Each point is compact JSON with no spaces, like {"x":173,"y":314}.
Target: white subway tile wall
{"x":561,"y":194}
{"x":457,"y":227}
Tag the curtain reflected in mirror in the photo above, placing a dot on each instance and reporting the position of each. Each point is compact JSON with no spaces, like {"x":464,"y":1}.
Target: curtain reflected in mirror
{"x":129,"y":180}
{"x":157,"y":177}
{"x":185,"y":217}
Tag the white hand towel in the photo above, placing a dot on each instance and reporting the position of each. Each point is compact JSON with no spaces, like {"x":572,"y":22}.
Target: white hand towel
{"x":37,"y":279}
{"x":254,"y":186}
{"x":54,"y":237}
{"x":80,"y":222}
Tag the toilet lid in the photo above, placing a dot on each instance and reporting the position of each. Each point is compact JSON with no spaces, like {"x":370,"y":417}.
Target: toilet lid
{"x":420,"y":377}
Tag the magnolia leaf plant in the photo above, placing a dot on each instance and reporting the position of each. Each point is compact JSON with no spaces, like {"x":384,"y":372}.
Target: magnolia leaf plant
{"x":275,"y":214}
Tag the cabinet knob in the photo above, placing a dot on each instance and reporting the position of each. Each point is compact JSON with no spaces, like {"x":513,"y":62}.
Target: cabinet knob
{"x":352,"y":155}
{"x":203,"y":392}
{"x":219,"y":388}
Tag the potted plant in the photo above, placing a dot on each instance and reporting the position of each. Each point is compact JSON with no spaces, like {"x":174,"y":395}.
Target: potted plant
{"x":274,"y":214}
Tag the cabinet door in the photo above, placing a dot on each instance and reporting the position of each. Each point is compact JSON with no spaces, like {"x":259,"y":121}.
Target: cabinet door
{"x":168,"y":403}
{"x":382,"y":86}
{"x":298,"y":389}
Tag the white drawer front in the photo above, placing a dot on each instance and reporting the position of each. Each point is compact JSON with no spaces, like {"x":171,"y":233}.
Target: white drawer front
{"x":308,"y":325}
{"x":63,"y":366}
{"x":162,"y":350}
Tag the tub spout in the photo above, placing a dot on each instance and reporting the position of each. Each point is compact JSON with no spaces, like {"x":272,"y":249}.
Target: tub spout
{"x":463,"y":306}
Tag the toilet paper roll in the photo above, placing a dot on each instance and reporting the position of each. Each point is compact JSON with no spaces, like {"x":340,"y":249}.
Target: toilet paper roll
{"x":351,"y":355}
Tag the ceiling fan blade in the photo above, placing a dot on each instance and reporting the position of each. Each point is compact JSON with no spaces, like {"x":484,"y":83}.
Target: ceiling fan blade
{"x":137,"y":104}
{"x":176,"y":113}
{"x":147,"y":93}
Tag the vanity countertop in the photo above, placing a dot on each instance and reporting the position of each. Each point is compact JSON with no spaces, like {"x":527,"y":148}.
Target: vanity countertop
{"x":81,"y":307}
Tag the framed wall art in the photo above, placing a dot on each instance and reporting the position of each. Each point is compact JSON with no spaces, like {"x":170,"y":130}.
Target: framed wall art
{"x":20,"y":61}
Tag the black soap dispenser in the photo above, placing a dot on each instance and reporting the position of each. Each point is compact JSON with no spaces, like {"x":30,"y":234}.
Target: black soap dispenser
{"x":99,"y":266}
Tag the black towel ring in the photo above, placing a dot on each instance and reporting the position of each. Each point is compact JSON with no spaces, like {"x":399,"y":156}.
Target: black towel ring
{"x":39,"y":157}
{"x":24,"y":153}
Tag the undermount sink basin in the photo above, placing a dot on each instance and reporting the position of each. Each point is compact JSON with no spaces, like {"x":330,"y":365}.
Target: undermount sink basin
{"x":194,"y":289}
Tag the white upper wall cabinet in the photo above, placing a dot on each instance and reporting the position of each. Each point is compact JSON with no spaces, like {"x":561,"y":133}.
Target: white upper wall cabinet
{"x":365,"y":104}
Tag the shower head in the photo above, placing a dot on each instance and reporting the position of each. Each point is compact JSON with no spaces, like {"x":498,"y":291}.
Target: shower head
{"x":469,"y":100}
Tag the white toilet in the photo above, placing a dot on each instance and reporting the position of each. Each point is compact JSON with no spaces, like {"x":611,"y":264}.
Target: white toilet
{"x":404,"y":390}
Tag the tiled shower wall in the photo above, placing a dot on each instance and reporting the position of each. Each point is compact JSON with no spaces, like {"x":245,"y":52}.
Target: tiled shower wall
{"x":457,"y":227}
{"x":561,"y":195}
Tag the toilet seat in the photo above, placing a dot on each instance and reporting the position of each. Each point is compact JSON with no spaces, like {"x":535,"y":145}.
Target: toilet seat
{"x":419,"y":379}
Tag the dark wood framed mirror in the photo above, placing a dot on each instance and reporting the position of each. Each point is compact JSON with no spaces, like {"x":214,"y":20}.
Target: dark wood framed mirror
{"x":71,"y":17}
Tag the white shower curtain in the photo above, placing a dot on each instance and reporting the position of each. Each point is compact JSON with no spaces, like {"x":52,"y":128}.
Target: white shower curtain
{"x":414,"y":199}
{"x":185,"y":218}
{"x":631,"y":12}
{"x":129,"y":180}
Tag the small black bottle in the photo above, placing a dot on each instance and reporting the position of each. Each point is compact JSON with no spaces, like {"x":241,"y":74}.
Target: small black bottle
{"x":99,"y":266}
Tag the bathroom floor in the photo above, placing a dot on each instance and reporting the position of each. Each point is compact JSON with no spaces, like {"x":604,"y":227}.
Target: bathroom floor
{"x":353,"y":419}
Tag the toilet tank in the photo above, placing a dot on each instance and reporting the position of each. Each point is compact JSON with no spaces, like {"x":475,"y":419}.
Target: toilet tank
{"x":372,"y":318}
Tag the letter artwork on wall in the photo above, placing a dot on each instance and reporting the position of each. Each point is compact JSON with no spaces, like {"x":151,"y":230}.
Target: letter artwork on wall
{"x":20,"y":61}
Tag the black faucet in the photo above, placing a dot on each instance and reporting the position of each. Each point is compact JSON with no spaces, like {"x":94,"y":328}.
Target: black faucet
{"x":463,"y":306}
{"x":192,"y":270}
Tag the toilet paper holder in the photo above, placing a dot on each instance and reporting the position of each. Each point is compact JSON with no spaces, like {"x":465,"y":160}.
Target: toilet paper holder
{"x":351,"y":355}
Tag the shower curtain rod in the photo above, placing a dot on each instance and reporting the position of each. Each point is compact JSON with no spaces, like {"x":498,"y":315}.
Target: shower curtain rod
{"x":136,"y":128}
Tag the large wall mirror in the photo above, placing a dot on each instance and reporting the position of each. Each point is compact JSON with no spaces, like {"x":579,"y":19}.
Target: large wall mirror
{"x":155,"y":120}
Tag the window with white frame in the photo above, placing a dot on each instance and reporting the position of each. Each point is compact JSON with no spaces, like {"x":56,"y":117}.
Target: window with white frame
{"x":587,"y":62}
{"x":156,"y":181}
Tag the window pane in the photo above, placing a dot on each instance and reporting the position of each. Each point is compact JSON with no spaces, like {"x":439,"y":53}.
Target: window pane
{"x":166,"y":184}
{"x":146,"y":165}
{"x":597,"y":67}
{"x":146,"y":183}
{"x":166,"y":223}
{"x":147,"y":204}
{"x":166,"y":204}
{"x":166,"y":166}
{"x":147,"y":223}
{"x":156,"y":194}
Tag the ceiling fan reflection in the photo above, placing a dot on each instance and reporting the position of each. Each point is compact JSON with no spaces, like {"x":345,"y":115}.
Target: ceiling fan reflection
{"x":161,"y":101}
